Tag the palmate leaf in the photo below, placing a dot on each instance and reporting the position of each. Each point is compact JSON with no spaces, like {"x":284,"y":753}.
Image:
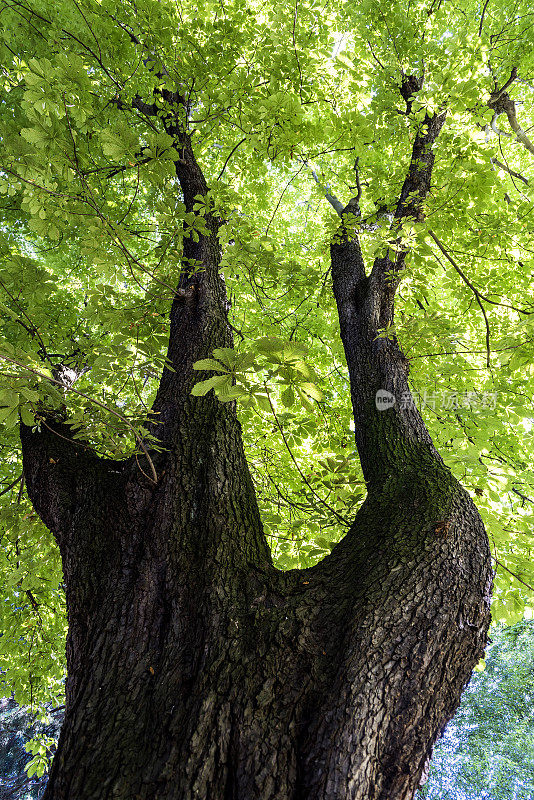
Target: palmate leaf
{"x":27,"y":416}
{"x":203,"y":387}
{"x":227,"y":393}
{"x":226,"y":354}
{"x":209,"y":364}
{"x":288,"y":397}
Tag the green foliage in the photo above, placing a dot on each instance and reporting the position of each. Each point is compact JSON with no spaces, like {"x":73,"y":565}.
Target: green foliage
{"x":271,"y":362}
{"x":21,"y":734}
{"x":487,"y":750}
{"x":41,"y":750}
{"x":92,"y":225}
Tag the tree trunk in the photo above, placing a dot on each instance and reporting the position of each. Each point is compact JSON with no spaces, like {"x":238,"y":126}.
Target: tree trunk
{"x":195,"y":668}
{"x":198,"y":670}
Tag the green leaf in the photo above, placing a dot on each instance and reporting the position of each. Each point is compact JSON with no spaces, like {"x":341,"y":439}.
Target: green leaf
{"x":227,"y":393}
{"x":8,"y":397}
{"x":29,"y":394}
{"x":245,"y":361}
{"x":33,"y":135}
{"x":225,"y":354}
{"x":269,"y":345}
{"x":203,"y":387}
{"x":27,"y":416}
{"x":12,"y":419}
{"x":288,"y":397}
{"x":263,"y":402}
{"x":5,"y":413}
{"x":303,"y":368}
{"x":311,"y":390}
{"x":209,"y":364}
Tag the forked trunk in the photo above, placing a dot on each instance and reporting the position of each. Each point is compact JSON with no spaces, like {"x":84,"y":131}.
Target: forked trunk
{"x":196,"y":670}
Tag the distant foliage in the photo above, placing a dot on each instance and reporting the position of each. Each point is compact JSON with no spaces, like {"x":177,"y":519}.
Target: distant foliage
{"x":19,"y":731}
{"x":487,"y":750}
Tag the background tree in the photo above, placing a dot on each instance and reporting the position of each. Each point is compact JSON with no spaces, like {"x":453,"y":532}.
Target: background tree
{"x":23,"y":773}
{"x":194,"y":666}
{"x":487,"y":748}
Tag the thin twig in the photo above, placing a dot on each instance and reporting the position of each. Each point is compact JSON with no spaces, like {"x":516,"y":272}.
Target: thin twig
{"x":244,"y":139}
{"x":12,"y":485}
{"x":295,"y":462}
{"x":482,"y":18}
{"x":21,"y":490}
{"x":510,"y":171}
{"x":473,"y":289}
{"x":521,"y":495}
{"x":284,"y":190}
{"x":500,"y":564}
{"x":295,"y":15}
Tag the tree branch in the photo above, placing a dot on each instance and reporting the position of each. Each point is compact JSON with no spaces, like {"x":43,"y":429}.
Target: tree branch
{"x":386,"y":270}
{"x":198,"y":314}
{"x":55,"y":465}
{"x":482,"y":18}
{"x":516,"y":127}
{"x":12,"y":485}
{"x":510,"y":171}
{"x":385,"y":436}
{"x":501,"y":103}
{"x":332,"y":199}
{"x":497,"y":94}
{"x":232,"y":151}
{"x":513,"y":574}
{"x":478,"y":296}
{"x":497,"y":130}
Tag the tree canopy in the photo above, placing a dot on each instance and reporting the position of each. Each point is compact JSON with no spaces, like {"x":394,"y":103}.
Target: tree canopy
{"x":287,"y":107}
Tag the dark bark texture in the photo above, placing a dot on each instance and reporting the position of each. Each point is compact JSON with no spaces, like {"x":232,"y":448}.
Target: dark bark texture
{"x":195,"y":668}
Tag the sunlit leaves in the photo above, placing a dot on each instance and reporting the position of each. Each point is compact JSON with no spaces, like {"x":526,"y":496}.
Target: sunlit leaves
{"x":250,"y":375}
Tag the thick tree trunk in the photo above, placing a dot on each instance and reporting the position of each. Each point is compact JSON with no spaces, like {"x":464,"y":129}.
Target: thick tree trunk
{"x":195,"y":668}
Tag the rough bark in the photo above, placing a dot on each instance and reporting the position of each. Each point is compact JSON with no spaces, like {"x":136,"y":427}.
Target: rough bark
{"x":195,"y":668}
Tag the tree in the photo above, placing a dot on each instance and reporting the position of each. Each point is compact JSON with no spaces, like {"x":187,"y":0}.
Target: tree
{"x":487,"y":748}
{"x":23,"y":777}
{"x":141,"y":144}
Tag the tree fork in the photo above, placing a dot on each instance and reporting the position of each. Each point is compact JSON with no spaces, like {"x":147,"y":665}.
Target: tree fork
{"x":195,"y":668}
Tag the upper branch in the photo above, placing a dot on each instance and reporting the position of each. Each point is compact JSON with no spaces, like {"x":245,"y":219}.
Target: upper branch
{"x":501,"y":103}
{"x":510,"y":111}
{"x":332,"y":199}
{"x":198,"y":315}
{"x":386,"y":269}
{"x":385,"y":435}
